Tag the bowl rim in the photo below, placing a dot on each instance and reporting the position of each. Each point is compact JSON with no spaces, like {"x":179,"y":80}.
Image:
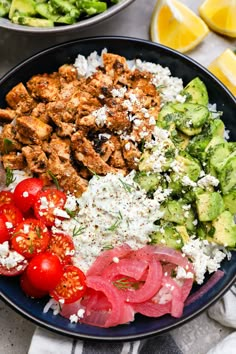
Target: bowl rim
{"x":111,"y":11}
{"x":180,"y":321}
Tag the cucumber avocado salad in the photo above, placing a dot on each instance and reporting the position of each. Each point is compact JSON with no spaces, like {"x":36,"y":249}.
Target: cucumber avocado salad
{"x":43,"y":13}
{"x":197,"y":165}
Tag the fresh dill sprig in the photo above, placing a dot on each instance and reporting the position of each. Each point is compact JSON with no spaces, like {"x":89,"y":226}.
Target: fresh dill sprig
{"x":71,"y":213}
{"x":107,"y":247}
{"x":125,"y":283}
{"x":38,"y":233}
{"x":9,"y":176}
{"x":53,"y":177}
{"x":114,"y":226}
{"x":78,"y":230}
{"x":128,"y":187}
{"x":93,"y":173}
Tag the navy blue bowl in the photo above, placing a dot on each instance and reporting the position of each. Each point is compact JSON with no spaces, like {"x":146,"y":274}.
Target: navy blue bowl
{"x":181,"y":66}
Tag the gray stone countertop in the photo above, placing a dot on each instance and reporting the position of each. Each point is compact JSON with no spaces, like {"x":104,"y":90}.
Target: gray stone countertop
{"x":197,"y":336}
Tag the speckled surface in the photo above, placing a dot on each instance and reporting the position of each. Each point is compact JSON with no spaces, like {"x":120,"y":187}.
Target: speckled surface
{"x":197,"y":336}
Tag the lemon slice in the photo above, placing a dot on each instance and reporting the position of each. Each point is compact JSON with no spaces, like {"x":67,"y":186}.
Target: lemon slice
{"x":176,"y":26}
{"x":220,"y":15}
{"x":224,"y":67}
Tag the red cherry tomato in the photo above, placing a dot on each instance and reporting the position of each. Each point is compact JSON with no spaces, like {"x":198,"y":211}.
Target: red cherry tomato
{"x":6,"y":197}
{"x":44,"y":271}
{"x":13,"y":271}
{"x":63,"y":246}
{"x":12,"y":214}
{"x":29,"y":289}
{"x":45,"y":204}
{"x":30,"y":238}
{"x":25,"y":193}
{"x":71,"y":286}
{"x":4,"y":233}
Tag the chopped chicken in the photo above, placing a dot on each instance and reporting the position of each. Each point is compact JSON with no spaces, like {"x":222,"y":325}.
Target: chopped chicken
{"x":76,"y":126}
{"x":14,"y":161}
{"x":36,"y":158}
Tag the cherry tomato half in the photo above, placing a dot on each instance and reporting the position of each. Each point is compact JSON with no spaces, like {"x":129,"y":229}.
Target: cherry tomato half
{"x":13,"y":271}
{"x":71,"y":286}
{"x":46,"y":203}
{"x":25,"y":193}
{"x":29,"y":289}
{"x":63,"y":246}
{"x":6,"y":197}
{"x":30,"y":238}
{"x":12,"y":214}
{"x":44,"y":271}
{"x":4,"y":233}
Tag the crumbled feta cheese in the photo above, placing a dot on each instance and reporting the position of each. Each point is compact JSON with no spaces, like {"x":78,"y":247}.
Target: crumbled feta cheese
{"x":119,"y":92}
{"x":208,"y":181}
{"x":205,"y":257}
{"x":100,"y":116}
{"x":61,"y":213}
{"x":74,"y":318}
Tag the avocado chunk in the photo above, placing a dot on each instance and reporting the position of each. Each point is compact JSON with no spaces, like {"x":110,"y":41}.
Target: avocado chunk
{"x":188,"y":166}
{"x":209,"y":206}
{"x":22,"y":7}
{"x":230,"y":201}
{"x":176,"y":212}
{"x":225,"y":229}
{"x":4,"y":7}
{"x":32,"y":21}
{"x":167,"y":235}
{"x":193,"y":115}
{"x":147,"y":180}
{"x":227,"y":175}
{"x":159,"y":158}
{"x":218,"y":155}
{"x":196,"y":92}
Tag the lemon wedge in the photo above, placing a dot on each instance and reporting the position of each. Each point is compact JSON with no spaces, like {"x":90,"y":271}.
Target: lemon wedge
{"x":173,"y":24}
{"x":220,"y":15}
{"x":224,"y":68}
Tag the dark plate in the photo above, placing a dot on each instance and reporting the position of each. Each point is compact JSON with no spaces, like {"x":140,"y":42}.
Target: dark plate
{"x":180,"y":66}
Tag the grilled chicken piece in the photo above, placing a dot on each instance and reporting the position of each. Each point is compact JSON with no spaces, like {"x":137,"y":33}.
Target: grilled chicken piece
{"x":115,"y":66}
{"x":35,"y":157}
{"x":45,"y":87}
{"x":67,"y":176}
{"x":85,"y":153}
{"x":40,"y":112}
{"x":64,"y":120}
{"x":131,"y":154}
{"x":19,"y":99}
{"x":60,"y":147}
{"x":8,"y":141}
{"x":68,"y":72}
{"x":14,"y":161}
{"x":99,"y":84}
{"x":117,"y":159}
{"x":7,"y":115}
{"x":31,"y":130}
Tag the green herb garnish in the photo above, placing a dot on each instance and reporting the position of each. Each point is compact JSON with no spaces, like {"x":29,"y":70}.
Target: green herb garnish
{"x":125,"y":283}
{"x":7,"y":144}
{"x":38,"y":231}
{"x":114,"y":226}
{"x":9,"y":176}
{"x":71,"y":213}
{"x":53,"y":177}
{"x":93,"y":172}
{"x":78,"y":230}
{"x":107,"y":247}
{"x":128,"y":187}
